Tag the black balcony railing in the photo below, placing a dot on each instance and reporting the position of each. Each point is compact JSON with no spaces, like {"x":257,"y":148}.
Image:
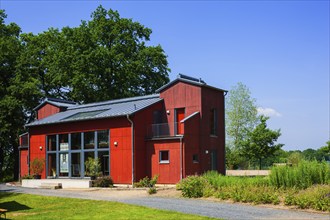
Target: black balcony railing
{"x":165,"y":130}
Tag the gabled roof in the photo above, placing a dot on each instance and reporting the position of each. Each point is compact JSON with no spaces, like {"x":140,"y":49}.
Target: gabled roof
{"x":107,"y":109}
{"x":56,"y":102}
{"x":189,"y":80}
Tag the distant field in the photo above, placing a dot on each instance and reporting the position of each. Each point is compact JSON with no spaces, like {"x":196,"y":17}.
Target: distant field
{"x":25,"y":206}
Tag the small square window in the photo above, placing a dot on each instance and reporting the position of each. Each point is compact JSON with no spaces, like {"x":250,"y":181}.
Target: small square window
{"x":164,"y":156}
{"x":195,"y":158}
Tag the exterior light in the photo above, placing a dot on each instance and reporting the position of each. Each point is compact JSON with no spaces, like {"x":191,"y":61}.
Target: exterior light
{"x":168,"y":112}
{"x":115,"y":143}
{"x":40,"y":147}
{"x":206,"y":152}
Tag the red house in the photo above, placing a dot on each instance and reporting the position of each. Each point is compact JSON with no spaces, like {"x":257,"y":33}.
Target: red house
{"x":178,"y":132}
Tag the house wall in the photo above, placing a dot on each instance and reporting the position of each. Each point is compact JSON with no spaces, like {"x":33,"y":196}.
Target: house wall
{"x":169,"y":173}
{"x":24,"y":167}
{"x":212,"y":99}
{"x":191,"y":146}
{"x":47,"y":110}
{"x":181,"y":95}
{"x":120,"y":131}
{"x":142,"y":122}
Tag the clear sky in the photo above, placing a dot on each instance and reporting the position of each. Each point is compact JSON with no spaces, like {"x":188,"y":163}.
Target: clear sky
{"x":279,"y":49}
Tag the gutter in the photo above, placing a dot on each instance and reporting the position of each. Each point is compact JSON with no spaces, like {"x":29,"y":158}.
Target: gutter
{"x":132,"y":130}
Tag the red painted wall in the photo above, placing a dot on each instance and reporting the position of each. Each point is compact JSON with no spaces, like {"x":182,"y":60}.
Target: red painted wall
{"x":168,"y":173}
{"x":120,"y":131}
{"x":142,"y":122}
{"x":181,"y":95}
{"x":212,"y":99}
{"x":47,"y":110}
{"x":191,"y":146}
{"x":24,"y":167}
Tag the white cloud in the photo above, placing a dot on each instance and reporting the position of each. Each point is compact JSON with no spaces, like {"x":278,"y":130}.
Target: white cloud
{"x":268,"y":112}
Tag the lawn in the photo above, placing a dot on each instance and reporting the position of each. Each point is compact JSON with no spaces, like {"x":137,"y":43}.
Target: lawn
{"x":25,"y":206}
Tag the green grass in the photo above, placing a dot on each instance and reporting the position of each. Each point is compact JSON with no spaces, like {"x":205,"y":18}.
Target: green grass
{"x":25,"y":206}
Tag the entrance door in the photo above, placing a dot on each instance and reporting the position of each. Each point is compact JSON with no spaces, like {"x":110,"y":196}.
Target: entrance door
{"x":179,"y":116}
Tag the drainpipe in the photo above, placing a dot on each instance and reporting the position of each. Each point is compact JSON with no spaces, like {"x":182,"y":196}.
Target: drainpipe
{"x":132,"y":130}
{"x":181,"y":160}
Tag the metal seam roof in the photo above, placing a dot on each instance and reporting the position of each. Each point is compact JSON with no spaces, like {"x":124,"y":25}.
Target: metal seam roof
{"x":113,"y":108}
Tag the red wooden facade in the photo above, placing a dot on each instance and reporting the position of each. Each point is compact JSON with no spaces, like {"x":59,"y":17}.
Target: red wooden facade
{"x":171,"y":138}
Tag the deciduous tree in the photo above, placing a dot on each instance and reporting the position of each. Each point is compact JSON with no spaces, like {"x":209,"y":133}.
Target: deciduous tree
{"x":261,"y":142}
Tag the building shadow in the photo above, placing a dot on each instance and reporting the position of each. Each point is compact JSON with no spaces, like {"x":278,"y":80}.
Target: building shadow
{"x":13,"y":206}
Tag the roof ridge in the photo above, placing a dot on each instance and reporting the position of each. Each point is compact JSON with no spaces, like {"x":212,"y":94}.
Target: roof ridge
{"x":59,"y":100}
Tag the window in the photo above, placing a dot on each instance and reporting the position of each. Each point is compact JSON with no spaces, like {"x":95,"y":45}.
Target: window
{"x":213,"y":122}
{"x":164,"y":156}
{"x":195,"y":158}
{"x":89,"y":140}
{"x":51,"y":145}
{"x":64,"y":142}
{"x":103,"y":139}
{"x":76,"y":141}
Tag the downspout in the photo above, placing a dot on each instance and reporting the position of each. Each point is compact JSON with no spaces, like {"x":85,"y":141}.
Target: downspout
{"x":28,"y":152}
{"x":132,"y":130}
{"x":181,"y":159}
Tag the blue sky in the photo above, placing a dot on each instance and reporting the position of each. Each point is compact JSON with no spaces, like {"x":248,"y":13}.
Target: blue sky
{"x":279,"y":49}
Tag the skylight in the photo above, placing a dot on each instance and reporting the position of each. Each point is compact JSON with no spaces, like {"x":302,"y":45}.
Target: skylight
{"x":85,"y":114}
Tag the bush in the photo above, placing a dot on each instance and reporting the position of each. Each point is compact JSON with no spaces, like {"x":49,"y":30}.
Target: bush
{"x":104,"y":181}
{"x":37,"y":166}
{"x":192,"y":186}
{"x":316,"y":197}
{"x":152,"y":190}
{"x":92,"y":167}
{"x":146,"y":182}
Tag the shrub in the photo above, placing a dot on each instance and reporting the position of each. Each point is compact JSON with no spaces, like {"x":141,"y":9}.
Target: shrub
{"x":192,"y":186}
{"x":301,"y":176}
{"x":146,"y":182}
{"x":37,"y":166}
{"x":316,"y":197}
{"x":93,"y":167}
{"x":152,"y":190}
{"x":104,"y":181}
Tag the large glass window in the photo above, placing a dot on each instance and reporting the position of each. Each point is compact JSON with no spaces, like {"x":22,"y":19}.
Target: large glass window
{"x":104,"y":161}
{"x":67,"y":153}
{"x":76,"y":141}
{"x":64,"y":164}
{"x":52,"y":164}
{"x":51,"y":145}
{"x":103,"y":139}
{"x":64,"y":142}
{"x":89,"y":140}
{"x":75,"y":165}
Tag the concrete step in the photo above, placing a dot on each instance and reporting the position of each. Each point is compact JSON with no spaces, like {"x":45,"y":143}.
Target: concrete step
{"x":46,"y":185}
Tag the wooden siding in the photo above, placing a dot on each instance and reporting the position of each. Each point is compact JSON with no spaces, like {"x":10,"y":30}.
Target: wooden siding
{"x":47,"y":110}
{"x":24,"y":166}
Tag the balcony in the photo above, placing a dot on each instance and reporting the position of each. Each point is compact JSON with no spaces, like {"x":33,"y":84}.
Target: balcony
{"x":164,"y":130}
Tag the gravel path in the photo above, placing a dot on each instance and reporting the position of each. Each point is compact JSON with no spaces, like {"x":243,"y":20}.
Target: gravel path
{"x":192,"y":206}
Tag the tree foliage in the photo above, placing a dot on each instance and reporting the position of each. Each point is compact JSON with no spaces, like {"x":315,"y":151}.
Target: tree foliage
{"x":241,"y":117}
{"x":104,"y":58}
{"x":261,"y":142}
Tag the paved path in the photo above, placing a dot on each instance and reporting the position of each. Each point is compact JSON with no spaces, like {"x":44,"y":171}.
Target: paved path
{"x":192,"y":206}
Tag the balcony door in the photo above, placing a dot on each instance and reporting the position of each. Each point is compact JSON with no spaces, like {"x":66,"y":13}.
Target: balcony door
{"x":179,"y":116}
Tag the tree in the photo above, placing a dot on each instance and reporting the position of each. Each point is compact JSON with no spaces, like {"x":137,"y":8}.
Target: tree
{"x":241,"y":117}
{"x":11,"y":117}
{"x":104,"y":58}
{"x":260,"y":142}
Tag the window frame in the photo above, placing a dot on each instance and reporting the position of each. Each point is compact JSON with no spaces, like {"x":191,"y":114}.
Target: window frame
{"x":161,"y":160}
